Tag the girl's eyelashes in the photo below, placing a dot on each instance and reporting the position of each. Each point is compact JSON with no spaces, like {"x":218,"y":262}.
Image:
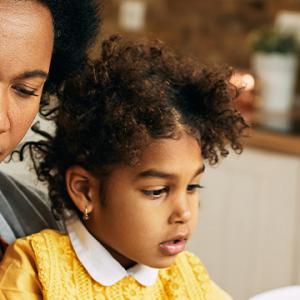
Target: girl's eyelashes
{"x":24,"y":92}
{"x":194,"y":187}
{"x":155,"y":193}
{"x":158,"y":193}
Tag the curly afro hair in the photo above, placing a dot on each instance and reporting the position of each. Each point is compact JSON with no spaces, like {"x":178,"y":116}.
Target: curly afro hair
{"x":76,"y":24}
{"x":134,"y":93}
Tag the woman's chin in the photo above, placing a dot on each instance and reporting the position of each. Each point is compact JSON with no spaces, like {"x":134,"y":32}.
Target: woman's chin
{"x":3,"y":155}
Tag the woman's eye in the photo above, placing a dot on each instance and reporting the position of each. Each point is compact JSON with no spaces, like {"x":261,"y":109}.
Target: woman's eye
{"x":193,"y":187}
{"x":25,"y":92}
{"x":155,"y":194}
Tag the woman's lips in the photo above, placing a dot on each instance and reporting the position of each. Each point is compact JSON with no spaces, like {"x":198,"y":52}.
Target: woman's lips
{"x":173,"y":247}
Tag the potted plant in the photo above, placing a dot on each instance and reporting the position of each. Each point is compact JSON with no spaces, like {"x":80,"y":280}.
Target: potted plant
{"x":275,"y":64}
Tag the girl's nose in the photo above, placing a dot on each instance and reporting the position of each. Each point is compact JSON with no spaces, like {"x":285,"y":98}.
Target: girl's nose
{"x":181,"y":212}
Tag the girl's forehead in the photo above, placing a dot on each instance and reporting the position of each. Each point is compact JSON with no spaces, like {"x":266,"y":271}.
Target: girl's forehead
{"x":167,"y":156}
{"x":171,"y":147}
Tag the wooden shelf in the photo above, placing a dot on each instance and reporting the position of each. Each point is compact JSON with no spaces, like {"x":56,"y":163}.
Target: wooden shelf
{"x":279,"y":142}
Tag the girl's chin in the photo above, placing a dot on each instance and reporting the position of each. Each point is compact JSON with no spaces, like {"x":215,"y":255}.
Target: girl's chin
{"x":161,"y":262}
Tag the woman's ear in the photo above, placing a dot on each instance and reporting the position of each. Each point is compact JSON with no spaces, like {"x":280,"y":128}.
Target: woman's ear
{"x":82,"y":187}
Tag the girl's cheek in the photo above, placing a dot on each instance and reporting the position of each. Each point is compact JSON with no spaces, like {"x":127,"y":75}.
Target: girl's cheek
{"x":195,"y":218}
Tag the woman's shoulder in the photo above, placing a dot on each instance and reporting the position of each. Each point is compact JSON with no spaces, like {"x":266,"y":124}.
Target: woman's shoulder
{"x":23,"y":209}
{"x":11,"y":186}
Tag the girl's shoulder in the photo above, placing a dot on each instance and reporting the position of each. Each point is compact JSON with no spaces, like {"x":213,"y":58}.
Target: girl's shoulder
{"x":23,"y":250}
{"x":49,"y":243}
{"x":188,"y":261}
{"x":48,"y":234}
{"x":193,"y":272}
{"x":24,"y":247}
{"x":19,"y":269}
{"x":188,"y":266}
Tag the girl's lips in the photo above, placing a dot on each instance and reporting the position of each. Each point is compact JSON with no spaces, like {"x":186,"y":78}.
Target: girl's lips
{"x":172,"y":247}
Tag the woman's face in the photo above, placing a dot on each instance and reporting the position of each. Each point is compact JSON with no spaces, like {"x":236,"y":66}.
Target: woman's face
{"x":26,"y":35}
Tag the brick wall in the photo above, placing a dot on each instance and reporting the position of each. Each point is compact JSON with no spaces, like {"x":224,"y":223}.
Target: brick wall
{"x":214,"y":31}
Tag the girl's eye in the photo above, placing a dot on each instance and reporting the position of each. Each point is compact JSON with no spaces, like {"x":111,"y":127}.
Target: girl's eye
{"x":155,"y":194}
{"x":24,"y":92}
{"x":193,"y":187}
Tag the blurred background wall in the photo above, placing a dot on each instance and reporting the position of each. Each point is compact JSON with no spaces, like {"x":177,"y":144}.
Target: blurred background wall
{"x":213,"y":31}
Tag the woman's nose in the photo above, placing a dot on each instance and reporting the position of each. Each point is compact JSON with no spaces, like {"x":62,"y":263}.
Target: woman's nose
{"x":4,"y":119}
{"x":181,"y":212}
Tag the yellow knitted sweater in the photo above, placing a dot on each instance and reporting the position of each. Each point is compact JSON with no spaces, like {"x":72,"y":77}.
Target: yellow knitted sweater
{"x":62,"y":277}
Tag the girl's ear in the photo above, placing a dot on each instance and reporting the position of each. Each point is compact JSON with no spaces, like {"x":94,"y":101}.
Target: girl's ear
{"x":82,"y":187}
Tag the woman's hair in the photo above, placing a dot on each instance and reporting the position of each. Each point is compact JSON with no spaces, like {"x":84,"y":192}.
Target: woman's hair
{"x":76,"y":24}
{"x":134,"y":93}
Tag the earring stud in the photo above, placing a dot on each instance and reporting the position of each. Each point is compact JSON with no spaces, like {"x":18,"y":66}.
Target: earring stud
{"x":86,"y":214}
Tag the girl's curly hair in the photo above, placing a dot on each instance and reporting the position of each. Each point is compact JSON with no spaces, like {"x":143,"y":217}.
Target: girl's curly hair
{"x":134,"y":93}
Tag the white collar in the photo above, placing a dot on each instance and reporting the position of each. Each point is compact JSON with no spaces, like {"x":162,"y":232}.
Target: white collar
{"x":99,"y":263}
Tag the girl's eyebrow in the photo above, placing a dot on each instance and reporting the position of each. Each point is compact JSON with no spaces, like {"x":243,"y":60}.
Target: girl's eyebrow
{"x":160,"y":174}
{"x":154,"y":173}
{"x":32,"y":74}
{"x":200,"y":171}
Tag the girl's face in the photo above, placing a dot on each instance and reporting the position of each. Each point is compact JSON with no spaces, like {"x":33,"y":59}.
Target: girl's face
{"x":150,"y":210}
{"x":26,"y":35}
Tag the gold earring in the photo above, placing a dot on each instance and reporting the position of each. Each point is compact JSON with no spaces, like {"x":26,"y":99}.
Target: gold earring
{"x":86,"y":214}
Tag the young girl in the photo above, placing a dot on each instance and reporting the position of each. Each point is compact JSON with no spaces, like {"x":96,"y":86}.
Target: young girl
{"x":124,"y":171}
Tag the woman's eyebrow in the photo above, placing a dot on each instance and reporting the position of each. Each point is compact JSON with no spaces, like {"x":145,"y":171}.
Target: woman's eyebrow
{"x":33,"y":74}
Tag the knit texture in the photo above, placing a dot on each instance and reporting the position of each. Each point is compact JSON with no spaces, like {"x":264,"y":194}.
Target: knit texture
{"x":64,"y":278}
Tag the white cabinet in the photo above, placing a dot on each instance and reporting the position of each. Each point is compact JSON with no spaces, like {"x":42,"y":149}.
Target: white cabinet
{"x":248,"y":233}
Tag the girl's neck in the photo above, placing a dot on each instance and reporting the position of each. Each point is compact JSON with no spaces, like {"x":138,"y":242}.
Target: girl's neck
{"x":124,"y":261}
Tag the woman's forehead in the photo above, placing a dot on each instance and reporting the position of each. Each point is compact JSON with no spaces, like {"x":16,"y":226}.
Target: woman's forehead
{"x":23,"y":14}
{"x":26,"y":34}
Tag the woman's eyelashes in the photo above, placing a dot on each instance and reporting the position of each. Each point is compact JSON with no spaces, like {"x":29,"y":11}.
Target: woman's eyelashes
{"x":161,"y":192}
{"x":24,"y":92}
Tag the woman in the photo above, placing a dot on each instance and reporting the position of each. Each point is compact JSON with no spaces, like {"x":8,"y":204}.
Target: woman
{"x":42,"y":42}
